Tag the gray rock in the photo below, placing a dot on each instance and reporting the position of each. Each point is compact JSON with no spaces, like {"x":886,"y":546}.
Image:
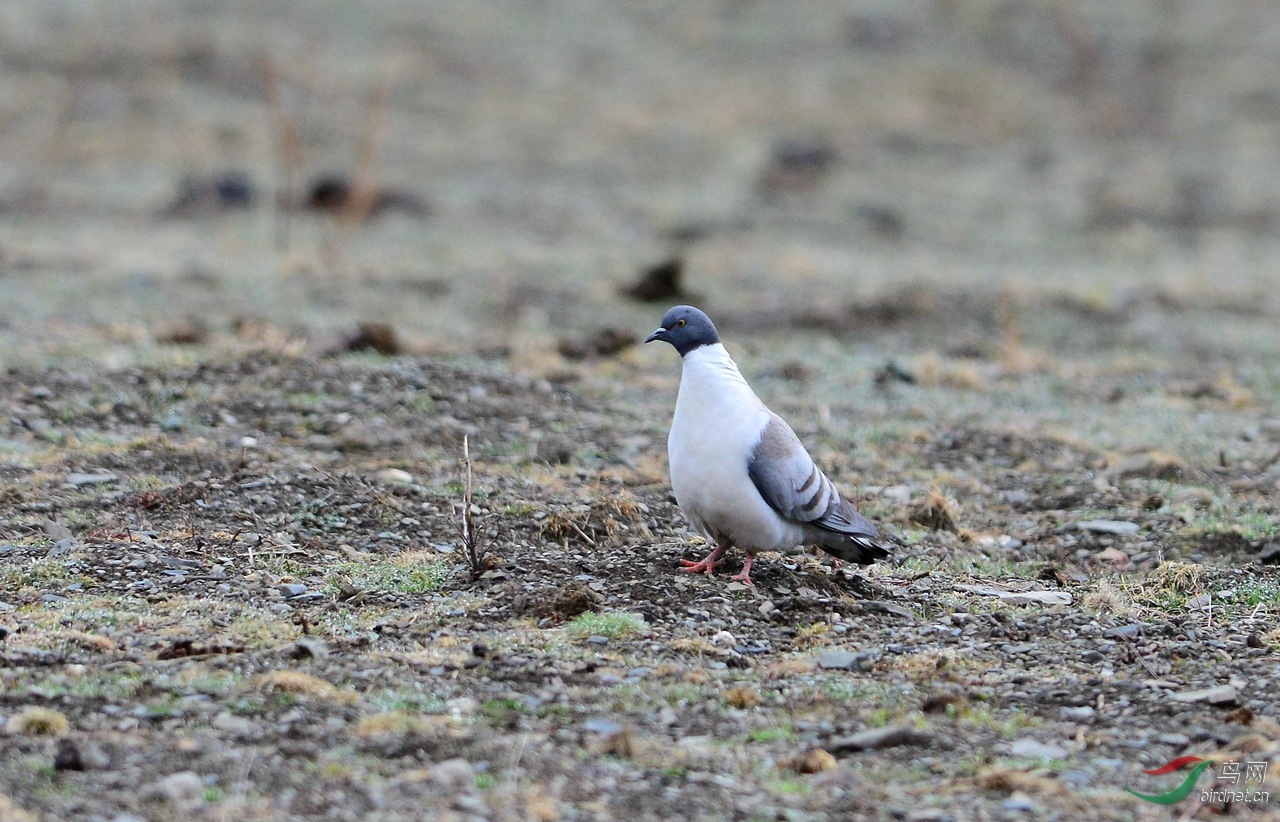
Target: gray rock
{"x":453,"y":775}
{"x":75,"y":479}
{"x":1028,"y":748}
{"x":1176,"y":739}
{"x":308,"y":647}
{"x":597,"y":640}
{"x":889,"y":736}
{"x":181,"y":788}
{"x":601,"y":726}
{"x":837,"y":659}
{"x":1019,"y":801}
{"x":1081,"y":714}
{"x":1108,"y":526}
{"x":292,"y":589}
{"x":1270,"y":554}
{"x":1220,"y":695}
{"x":61,"y":548}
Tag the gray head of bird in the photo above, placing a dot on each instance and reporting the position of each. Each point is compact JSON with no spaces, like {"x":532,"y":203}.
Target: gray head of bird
{"x":686,"y":328}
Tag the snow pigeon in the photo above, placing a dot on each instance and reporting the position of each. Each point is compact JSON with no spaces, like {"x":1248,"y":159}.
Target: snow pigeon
{"x":739,"y":473}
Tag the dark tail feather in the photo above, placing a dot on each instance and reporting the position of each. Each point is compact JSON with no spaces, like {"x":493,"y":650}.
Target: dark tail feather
{"x":857,"y":550}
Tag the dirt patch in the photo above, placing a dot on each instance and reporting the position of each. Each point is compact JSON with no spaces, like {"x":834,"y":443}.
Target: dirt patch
{"x":202,"y":569}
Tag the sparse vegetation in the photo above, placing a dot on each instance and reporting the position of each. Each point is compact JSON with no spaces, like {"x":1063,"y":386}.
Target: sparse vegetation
{"x":609,"y":625}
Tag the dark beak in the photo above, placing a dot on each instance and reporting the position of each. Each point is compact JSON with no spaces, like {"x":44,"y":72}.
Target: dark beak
{"x":661,"y":333}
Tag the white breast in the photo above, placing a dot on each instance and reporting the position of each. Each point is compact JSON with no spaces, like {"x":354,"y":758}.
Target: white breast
{"x":717,"y":424}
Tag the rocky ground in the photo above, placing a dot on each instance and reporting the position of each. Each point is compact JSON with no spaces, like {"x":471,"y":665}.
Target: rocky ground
{"x":240,"y":588}
{"x":332,"y":475}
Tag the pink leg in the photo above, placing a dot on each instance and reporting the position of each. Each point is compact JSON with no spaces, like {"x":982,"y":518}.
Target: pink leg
{"x":745,"y":575}
{"x":708,"y":564}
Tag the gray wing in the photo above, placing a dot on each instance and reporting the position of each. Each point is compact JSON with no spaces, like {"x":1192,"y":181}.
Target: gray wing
{"x":784,"y":474}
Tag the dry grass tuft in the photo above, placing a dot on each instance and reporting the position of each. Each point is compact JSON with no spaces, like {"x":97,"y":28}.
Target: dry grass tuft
{"x":935,"y":512}
{"x":566,"y":525}
{"x":298,"y":683}
{"x":1008,"y":780}
{"x":742,"y":697}
{"x":924,"y":665}
{"x":811,"y":761}
{"x":1183,"y":577}
{"x":1106,"y":598}
{"x":812,"y":636}
{"x":951,"y":703}
{"x":621,"y":744}
{"x":933,"y":371}
{"x":38,"y":722}
{"x":392,"y":722}
{"x":692,"y":645}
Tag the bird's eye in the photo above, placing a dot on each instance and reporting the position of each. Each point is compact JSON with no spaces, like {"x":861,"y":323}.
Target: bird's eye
{"x":680,"y":324}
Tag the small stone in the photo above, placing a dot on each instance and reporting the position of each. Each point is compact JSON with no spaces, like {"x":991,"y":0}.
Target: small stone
{"x":1081,"y":714}
{"x":596,"y":639}
{"x":1028,"y":748}
{"x":232,"y":724}
{"x":292,"y":589}
{"x":1019,"y":801}
{"x":1270,"y":554}
{"x":900,"y":494}
{"x":453,"y":775}
{"x":1199,"y":497}
{"x":1108,"y":526}
{"x":724,"y":639}
{"x":1153,"y":465}
{"x":838,"y":659}
{"x":1220,"y":695}
{"x":393,"y":476}
{"x":1123,"y":632}
{"x":889,"y":736}
{"x":75,"y":479}
{"x":308,"y":647}
{"x":767,"y":608}
{"x":181,"y":788}
{"x":247,"y":442}
{"x":599,"y":725}
{"x":1175,"y":739}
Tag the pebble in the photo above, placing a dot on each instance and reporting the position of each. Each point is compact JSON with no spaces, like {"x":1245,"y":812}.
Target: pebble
{"x":180,"y":788}
{"x":724,"y":639}
{"x":842,"y":660}
{"x":229,"y":722}
{"x":292,"y":589}
{"x":1219,"y":695}
{"x":1108,"y":526}
{"x":453,"y":775}
{"x":602,"y":726}
{"x":596,"y":639}
{"x":75,"y":479}
{"x":393,"y":476}
{"x":1019,"y":801}
{"x":1081,"y":714}
{"x":889,"y":736}
{"x":1176,"y":739}
{"x":1130,"y":630}
{"x":1028,"y":748}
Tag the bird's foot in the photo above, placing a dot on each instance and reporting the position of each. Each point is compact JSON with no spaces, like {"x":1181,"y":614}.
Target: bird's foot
{"x":707,"y":565}
{"x":744,"y":576}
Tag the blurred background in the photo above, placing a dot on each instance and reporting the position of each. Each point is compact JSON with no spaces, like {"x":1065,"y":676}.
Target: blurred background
{"x":516,"y":179}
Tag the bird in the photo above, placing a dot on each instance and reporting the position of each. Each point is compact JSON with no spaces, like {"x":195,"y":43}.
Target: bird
{"x":740,"y":475}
